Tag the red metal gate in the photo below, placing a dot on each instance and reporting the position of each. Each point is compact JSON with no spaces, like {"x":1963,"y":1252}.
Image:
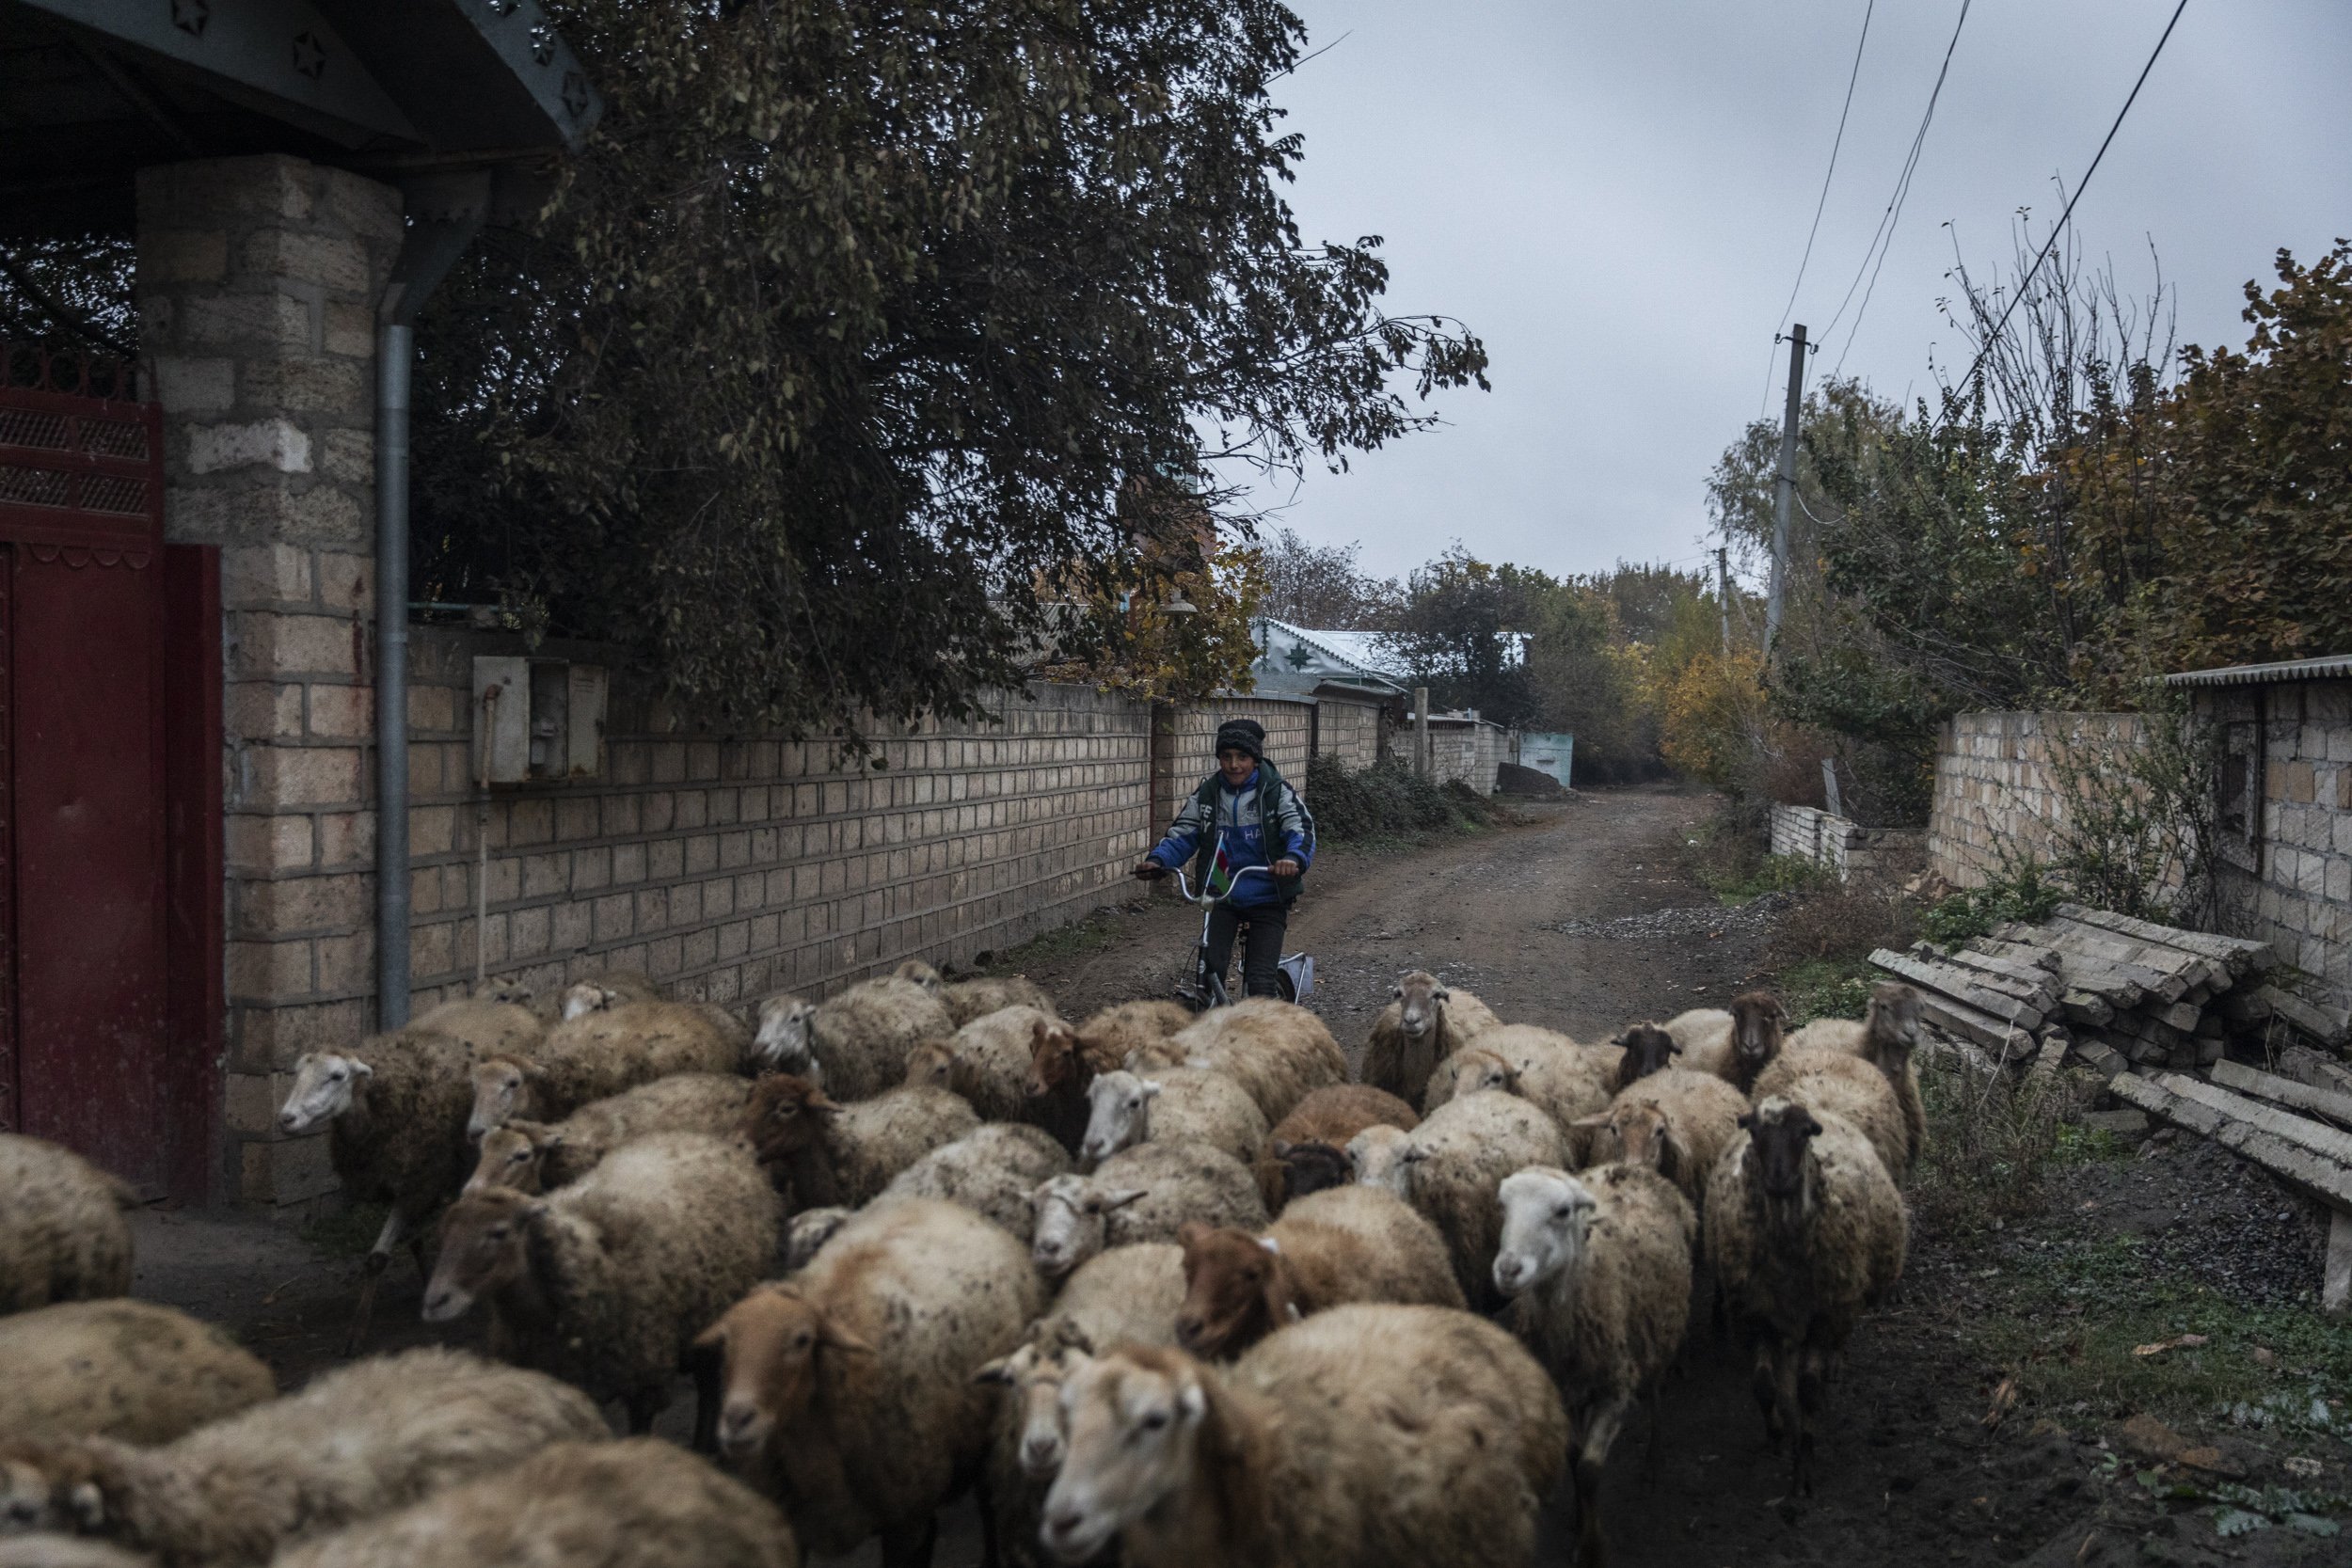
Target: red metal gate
{"x":90,"y":1052}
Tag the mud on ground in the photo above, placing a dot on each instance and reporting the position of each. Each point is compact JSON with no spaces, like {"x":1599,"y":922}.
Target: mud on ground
{"x":1582,"y":915}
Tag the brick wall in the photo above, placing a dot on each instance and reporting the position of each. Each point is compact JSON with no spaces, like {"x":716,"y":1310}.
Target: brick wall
{"x":1471,"y":752}
{"x":1347,"y":732}
{"x":2295,"y":891}
{"x":1846,"y":847}
{"x":1995,"y":794}
{"x":257,"y":281}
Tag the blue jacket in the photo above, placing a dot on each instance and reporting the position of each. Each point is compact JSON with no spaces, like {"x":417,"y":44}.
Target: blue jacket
{"x":1241,"y":823}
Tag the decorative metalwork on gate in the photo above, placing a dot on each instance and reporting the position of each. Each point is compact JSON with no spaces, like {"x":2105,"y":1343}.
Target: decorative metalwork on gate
{"x":81,"y":456}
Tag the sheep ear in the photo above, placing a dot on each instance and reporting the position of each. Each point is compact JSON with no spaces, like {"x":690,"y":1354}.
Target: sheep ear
{"x":1593,"y":1123}
{"x":1747,"y":1121}
{"x":89,"y":1506}
{"x":360,"y":1068}
{"x":1271,"y":1244}
{"x":1151,"y":1089}
{"x":998,"y":1372}
{"x":1283,"y":1148}
{"x":822,"y":1106}
{"x":534,"y":1073}
{"x":1441,"y":995}
{"x":833,"y":1337}
{"x":1396,"y":993}
{"x":1414,"y":1156}
{"x":1191,"y":1234}
{"x":1102,"y":1203}
{"x":1192,"y":1404}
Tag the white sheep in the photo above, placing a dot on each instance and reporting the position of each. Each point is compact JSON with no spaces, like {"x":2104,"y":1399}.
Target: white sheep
{"x":1173,"y":1105}
{"x":1368,"y":1436}
{"x":122,"y":1368}
{"x":849,"y":1388}
{"x":993,"y":1059}
{"x":1427,"y":1022}
{"x":966,"y":1000}
{"x":854,"y":1045}
{"x":1598,"y":1273}
{"x":1144,"y":1194}
{"x":359,"y":1441}
{"x":1804,"y":1228}
{"x":991,"y":1170}
{"x":605,"y":1283}
{"x":601,"y":1053}
{"x":62,"y":1234}
{"x":1278,"y":1051}
{"x":1677,"y":1122}
{"x":641,"y":1502}
{"x":1345,"y":1244}
{"x":1450,"y":1166}
{"x":1542,"y":1067}
{"x":532,"y":1156}
{"x":1886,"y":1037}
{"x":601,"y":993}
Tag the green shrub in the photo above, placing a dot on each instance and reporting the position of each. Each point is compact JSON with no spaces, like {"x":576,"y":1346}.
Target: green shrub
{"x":2023,"y":892}
{"x":1385,"y":801}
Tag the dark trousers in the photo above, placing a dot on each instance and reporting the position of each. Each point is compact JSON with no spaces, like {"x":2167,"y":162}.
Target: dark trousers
{"x":1261,"y":951}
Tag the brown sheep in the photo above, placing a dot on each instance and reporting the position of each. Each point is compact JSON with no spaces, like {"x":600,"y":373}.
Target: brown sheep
{"x":601,"y":1053}
{"x":1350,"y":1244}
{"x":849,"y":1388}
{"x":122,"y":1368}
{"x":641,"y":1503}
{"x":1325,"y":1120}
{"x":1427,"y":1022}
{"x":62,"y":1234}
{"x":1278,"y":1051}
{"x":1803,"y":1229}
{"x":847,"y":1154}
{"x":1739,"y":1046}
{"x":1373,"y":1436}
{"x":1677,"y":1122}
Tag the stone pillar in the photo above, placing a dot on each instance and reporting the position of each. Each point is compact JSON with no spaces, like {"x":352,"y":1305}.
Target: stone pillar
{"x":258,"y":280}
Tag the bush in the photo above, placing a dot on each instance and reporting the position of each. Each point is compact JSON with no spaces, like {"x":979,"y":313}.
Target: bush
{"x":1386,"y":800}
{"x":2023,"y":892}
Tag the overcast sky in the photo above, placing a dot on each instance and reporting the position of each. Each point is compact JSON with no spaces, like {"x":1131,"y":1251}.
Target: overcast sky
{"x":1616,"y":197}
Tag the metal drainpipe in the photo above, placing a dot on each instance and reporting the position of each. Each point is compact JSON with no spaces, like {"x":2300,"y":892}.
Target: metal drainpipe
{"x":446,"y":212}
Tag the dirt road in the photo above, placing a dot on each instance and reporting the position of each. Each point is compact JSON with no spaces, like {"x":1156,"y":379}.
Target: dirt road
{"x":1580,"y":917}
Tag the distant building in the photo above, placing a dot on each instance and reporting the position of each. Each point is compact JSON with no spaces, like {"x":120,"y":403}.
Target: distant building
{"x":1297,"y":660}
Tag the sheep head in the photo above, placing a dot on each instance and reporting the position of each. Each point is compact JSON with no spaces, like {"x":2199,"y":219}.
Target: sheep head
{"x":1756,"y":1021}
{"x":66,"y":1487}
{"x":1546,"y":1216}
{"x":511,"y":1157}
{"x":1119,"y":1115}
{"x":1034,"y":1374}
{"x":1646,"y":1136}
{"x":1780,"y":1137}
{"x":1648,"y":1049}
{"x":1238,"y":1288}
{"x":484,"y":1250}
{"x":1890,"y":1029}
{"x":1070,"y":1221}
{"x":808,"y":1233}
{"x":1056,"y":1056}
{"x":786,"y":1115}
{"x":1310,"y":1167}
{"x":787,"y":1041}
{"x":504,"y":1088}
{"x":922,"y":974}
{"x":1420,"y":1003}
{"x":1134,"y":1419}
{"x":1383,"y":1157}
{"x":932,"y":1066}
{"x":326,"y":1084}
{"x":768,"y":1346}
{"x":1466,"y":1073}
{"x":515,"y":993}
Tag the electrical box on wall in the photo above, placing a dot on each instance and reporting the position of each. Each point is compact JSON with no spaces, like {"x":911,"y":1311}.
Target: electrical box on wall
{"x":537,"y":720}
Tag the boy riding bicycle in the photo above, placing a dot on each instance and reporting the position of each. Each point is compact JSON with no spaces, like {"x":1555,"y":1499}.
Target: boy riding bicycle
{"x":1240,"y":815}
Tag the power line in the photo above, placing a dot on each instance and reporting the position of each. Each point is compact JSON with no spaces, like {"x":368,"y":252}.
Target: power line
{"x":1851,"y":77}
{"x":1883,"y":239}
{"x":1995,"y":336}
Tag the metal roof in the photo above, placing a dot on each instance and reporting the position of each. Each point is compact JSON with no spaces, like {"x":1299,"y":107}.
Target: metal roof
{"x":93,"y":90}
{"x":2327,"y":667}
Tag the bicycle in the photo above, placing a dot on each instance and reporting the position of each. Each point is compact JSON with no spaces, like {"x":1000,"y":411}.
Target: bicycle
{"x":1294,"y":975}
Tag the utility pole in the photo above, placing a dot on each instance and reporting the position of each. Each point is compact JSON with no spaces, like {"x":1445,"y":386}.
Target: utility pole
{"x":1785,"y":499}
{"x":1722,"y":592}
{"x":1420,"y":732}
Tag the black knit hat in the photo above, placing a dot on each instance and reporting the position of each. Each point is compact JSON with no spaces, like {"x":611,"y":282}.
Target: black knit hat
{"x":1241,"y":734}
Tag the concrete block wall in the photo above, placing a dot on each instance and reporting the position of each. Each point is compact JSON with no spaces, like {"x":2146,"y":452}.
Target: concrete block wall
{"x":1994,"y":791}
{"x":257,"y":281}
{"x":1471,"y":752}
{"x":2299,"y":898}
{"x":1845,"y":847}
{"x":1347,"y":732}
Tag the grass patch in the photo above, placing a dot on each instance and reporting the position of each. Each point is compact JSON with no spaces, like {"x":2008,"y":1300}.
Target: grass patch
{"x":1826,"y":987}
{"x":1990,"y":1144}
{"x":2069,"y":1321}
{"x":2024,"y":893}
{"x":346,"y":1232}
{"x":1077,"y":939}
{"x":1771,"y":874}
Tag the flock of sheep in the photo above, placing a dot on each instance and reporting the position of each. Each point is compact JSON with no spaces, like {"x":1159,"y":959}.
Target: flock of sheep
{"x":1161,"y":1287}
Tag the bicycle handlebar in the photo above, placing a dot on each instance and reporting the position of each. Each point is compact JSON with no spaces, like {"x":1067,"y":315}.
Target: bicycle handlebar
{"x":1185,"y":887}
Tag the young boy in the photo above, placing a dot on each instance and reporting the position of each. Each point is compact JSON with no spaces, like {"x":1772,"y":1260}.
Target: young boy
{"x":1243,"y":816}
